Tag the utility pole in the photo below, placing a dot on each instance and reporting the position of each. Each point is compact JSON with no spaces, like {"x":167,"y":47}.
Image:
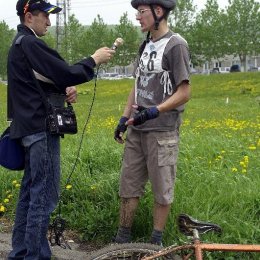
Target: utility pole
{"x":68,"y":9}
{"x":68,"y":43}
{"x":61,"y":21}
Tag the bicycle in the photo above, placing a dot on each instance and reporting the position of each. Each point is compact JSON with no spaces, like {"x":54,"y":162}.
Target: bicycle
{"x":189,"y":227}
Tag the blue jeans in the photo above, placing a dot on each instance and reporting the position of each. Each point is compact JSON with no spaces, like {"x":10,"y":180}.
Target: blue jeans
{"x":38,"y":197}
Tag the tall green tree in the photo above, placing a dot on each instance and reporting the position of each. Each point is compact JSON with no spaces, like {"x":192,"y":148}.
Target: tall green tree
{"x":126,"y":54}
{"x":207,"y":33}
{"x":6,"y":36}
{"x":97,"y":35}
{"x":73,"y":45}
{"x":50,"y":40}
{"x":242,"y":29}
{"x":182,"y":17}
{"x":181,"y":21}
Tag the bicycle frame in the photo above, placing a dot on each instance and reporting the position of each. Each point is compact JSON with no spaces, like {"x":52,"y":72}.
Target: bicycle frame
{"x":199,"y":247}
{"x":187,"y":226}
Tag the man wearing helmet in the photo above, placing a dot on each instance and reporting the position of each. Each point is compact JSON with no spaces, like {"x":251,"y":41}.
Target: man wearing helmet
{"x":153,"y":117}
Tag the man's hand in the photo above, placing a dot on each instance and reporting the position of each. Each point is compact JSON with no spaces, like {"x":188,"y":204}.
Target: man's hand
{"x":71,"y":93}
{"x":103,"y":55}
{"x":120,"y":129}
{"x":143,"y":115}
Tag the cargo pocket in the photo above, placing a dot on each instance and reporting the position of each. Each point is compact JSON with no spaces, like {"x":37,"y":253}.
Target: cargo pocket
{"x":167,"y":152}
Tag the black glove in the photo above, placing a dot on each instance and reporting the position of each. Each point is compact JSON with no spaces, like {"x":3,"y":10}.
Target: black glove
{"x":145,"y":114}
{"x":121,"y":128}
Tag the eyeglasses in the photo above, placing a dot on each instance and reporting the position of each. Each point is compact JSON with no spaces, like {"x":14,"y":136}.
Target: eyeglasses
{"x":141,"y":12}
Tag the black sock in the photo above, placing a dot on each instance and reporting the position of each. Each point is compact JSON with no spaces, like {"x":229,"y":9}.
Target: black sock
{"x":156,"y":237}
{"x":123,"y":235}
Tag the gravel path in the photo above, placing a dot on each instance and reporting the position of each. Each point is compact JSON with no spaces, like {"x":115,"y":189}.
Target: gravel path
{"x":79,"y":251}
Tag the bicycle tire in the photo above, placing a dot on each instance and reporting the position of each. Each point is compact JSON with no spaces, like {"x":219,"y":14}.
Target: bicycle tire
{"x":129,"y":251}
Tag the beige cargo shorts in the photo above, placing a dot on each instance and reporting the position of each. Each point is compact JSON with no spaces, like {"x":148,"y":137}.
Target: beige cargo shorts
{"x":150,"y":156}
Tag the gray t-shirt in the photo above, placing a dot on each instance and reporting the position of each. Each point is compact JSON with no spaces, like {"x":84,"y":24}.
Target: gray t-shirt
{"x":162,"y":67}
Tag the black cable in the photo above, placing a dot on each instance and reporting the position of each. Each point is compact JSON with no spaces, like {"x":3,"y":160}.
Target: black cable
{"x":84,"y":129}
{"x":58,"y":226}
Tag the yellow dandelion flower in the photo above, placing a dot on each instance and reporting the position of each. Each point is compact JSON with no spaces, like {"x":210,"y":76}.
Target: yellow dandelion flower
{"x":242,"y":164}
{"x":252,"y":147}
{"x":2,"y":208}
{"x":234,"y":169}
{"x":17,"y":185}
{"x":14,"y":182}
{"x":93,"y":187}
{"x":244,"y":170}
{"x":69,"y":186}
{"x":6,"y":200}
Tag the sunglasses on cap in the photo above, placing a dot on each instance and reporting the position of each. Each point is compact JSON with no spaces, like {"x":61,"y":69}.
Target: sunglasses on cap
{"x":41,"y":5}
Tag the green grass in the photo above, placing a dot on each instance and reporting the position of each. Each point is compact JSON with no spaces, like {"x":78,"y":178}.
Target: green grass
{"x":218,"y":168}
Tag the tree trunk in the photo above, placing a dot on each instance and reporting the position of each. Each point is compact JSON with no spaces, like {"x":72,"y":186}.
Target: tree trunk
{"x":243,"y":61}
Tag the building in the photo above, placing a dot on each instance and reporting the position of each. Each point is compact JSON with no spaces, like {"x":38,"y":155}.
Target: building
{"x":252,"y":64}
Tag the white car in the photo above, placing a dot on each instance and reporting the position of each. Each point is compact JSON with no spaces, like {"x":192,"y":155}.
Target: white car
{"x":221,"y":70}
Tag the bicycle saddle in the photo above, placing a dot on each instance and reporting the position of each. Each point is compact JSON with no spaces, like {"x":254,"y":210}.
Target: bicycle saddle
{"x":187,"y":224}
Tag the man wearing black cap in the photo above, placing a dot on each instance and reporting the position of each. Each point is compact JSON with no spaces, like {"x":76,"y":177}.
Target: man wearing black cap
{"x":33,"y":65}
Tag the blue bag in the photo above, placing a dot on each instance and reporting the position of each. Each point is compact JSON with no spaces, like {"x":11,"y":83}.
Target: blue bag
{"x":12,"y":154}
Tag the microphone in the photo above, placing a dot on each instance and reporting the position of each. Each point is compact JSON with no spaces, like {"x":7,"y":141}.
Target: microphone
{"x":118,"y":42}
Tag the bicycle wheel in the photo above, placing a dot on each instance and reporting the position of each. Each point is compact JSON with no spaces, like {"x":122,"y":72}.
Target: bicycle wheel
{"x":130,"y":251}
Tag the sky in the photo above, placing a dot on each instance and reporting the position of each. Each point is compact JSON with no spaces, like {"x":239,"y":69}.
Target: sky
{"x":87,"y":10}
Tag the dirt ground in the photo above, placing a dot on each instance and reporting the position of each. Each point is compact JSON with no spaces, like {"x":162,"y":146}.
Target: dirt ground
{"x":79,"y":250}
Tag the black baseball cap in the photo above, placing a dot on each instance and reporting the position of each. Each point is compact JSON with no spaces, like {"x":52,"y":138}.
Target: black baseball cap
{"x":24,"y":6}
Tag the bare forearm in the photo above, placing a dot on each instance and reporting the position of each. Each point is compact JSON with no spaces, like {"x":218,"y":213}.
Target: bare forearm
{"x":130,"y":102}
{"x":180,"y":97}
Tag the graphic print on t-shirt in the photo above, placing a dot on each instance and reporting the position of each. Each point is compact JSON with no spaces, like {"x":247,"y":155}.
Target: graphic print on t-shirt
{"x":153,"y":83}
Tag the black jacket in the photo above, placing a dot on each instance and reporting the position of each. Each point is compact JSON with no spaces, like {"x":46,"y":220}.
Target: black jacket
{"x":26,"y":109}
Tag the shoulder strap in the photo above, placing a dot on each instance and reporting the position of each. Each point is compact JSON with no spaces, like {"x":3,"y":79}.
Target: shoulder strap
{"x":141,"y":48}
{"x":43,"y":95}
{"x":19,"y":39}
